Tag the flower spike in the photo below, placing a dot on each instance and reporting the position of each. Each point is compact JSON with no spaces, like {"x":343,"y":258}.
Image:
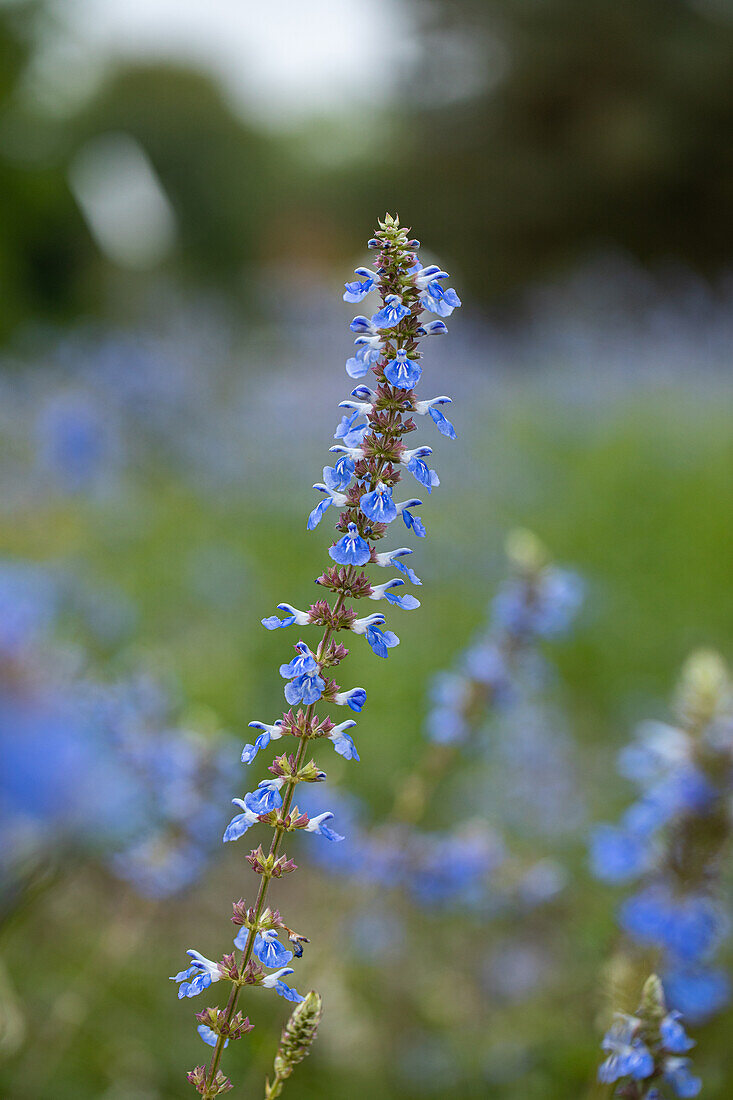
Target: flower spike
{"x":360,"y":491}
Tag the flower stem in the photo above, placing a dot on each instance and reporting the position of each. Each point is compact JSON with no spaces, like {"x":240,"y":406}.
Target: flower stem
{"x":265,"y":883}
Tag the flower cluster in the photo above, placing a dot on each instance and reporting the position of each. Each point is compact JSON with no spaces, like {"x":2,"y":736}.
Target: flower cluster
{"x":96,"y":767}
{"x":645,"y":1052}
{"x":538,"y":601}
{"x":672,"y":838}
{"x":361,"y":484}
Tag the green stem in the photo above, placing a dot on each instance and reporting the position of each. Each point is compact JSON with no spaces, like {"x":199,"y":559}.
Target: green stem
{"x":265,"y":882}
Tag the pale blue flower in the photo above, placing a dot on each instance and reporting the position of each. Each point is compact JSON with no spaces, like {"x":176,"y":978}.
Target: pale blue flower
{"x":209,"y":1036}
{"x":627,"y":1055}
{"x":378,"y":504}
{"x":677,"y":1074}
{"x":339,"y":477}
{"x":240,"y":823}
{"x":357,"y":290}
{"x":269,"y":733}
{"x":199,"y":976}
{"x":294,"y":617}
{"x":352,"y":549}
{"x":401,"y":372}
{"x":318,"y":825}
{"x":332,"y":496}
{"x":342,"y":741}
{"x":273,"y":981}
{"x":391,"y":312}
{"x":354,"y":698}
{"x":383,"y":591}
{"x":267,"y":947}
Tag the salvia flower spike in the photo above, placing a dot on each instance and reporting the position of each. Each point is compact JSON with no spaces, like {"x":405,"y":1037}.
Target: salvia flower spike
{"x":362,"y":486}
{"x":645,"y":1053}
{"x":672,"y":840}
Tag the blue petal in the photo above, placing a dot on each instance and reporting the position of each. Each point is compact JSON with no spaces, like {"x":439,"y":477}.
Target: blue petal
{"x":442,"y":423}
{"x":286,"y":992}
{"x":317,"y":514}
{"x":209,"y":1036}
{"x":237,"y":827}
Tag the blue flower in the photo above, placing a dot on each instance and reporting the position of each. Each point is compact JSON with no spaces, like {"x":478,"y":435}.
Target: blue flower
{"x":338,"y":477}
{"x":273,"y":981}
{"x":332,"y":496}
{"x":342,"y":741}
{"x":305,"y":682}
{"x":318,"y":825}
{"x":688,"y":927}
{"x":379,"y":640}
{"x":378,"y":505}
{"x":363,"y":325}
{"x":267,"y":797}
{"x":369,"y":347}
{"x":617,"y":854}
{"x":267,"y":947}
{"x":199,"y":976}
{"x":674,"y":1037}
{"x":305,"y":662}
{"x":443,"y":425}
{"x":357,"y":290}
{"x":391,"y":312}
{"x":627,"y":1055}
{"x":352,"y":549}
{"x":354,"y":699}
{"x":368,"y":352}
{"x":405,"y":603}
{"x":240,"y":823}
{"x":411,"y":521}
{"x":351,"y":434}
{"x":439,"y":301}
{"x":414,"y":461}
{"x":392,"y":557}
{"x":365,"y":395}
{"x":401,"y":372}
{"x":294,"y":616}
{"x":382,"y":591}
{"x":269,"y":733}
{"x":658,"y":747}
{"x":360,"y":408}
{"x":433,"y":328}
{"x":698,"y":991}
{"x":677,"y":1073}
{"x":209,"y":1036}
{"x":306,"y":689}
{"x":345,"y":424}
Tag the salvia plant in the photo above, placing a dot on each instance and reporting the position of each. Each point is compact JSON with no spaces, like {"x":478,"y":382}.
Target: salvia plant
{"x":673,"y":838}
{"x":538,"y":601}
{"x":360,"y":486}
{"x":645,"y":1053}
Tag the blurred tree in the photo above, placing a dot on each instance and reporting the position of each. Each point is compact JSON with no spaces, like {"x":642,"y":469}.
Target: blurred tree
{"x":524,"y":133}
{"x":597,"y":123}
{"x":216,"y":171}
{"x":44,"y":247}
